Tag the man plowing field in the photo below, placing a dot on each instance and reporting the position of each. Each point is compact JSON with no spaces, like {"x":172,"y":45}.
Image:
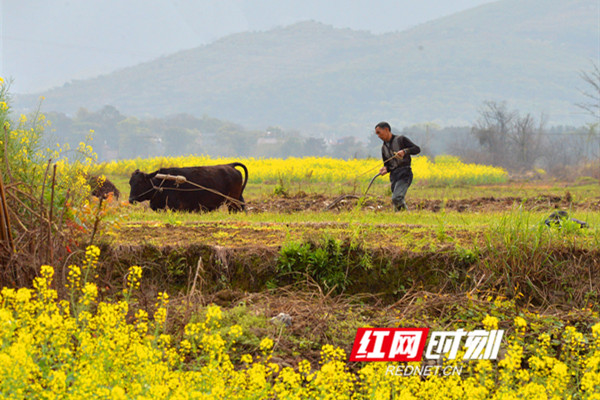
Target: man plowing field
{"x":396,"y":151}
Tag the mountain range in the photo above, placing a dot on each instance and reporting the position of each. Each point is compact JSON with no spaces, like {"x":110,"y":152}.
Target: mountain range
{"x":329,"y":81}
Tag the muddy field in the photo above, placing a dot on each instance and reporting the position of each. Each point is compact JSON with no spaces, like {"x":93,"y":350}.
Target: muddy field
{"x":320,"y":202}
{"x":396,"y":233}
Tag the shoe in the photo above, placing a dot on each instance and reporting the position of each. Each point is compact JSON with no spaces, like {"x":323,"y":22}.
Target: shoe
{"x":402,"y":207}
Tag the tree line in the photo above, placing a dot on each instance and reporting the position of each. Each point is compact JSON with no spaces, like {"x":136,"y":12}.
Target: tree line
{"x":117,"y":136}
{"x":500,"y":137}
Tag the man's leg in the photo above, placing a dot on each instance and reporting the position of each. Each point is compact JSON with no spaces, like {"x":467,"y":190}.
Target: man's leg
{"x":398,"y":194}
{"x":399,"y":189}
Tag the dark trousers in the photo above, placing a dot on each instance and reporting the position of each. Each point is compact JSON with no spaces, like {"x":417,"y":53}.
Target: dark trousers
{"x":401,"y":178}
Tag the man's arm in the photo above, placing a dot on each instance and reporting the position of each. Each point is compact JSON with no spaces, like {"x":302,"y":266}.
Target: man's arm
{"x":409,"y":147}
{"x":383,"y":170}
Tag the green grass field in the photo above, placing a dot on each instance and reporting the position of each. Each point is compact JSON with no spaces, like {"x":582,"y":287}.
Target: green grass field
{"x":475,"y":209}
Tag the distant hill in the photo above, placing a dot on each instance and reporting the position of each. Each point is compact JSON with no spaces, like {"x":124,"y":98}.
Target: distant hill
{"x":314,"y":77}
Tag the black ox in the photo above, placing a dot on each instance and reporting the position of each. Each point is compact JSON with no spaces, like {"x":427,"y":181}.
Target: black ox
{"x":162,"y":193}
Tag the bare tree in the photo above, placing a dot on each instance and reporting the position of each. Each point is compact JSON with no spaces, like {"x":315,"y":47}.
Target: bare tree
{"x":592,"y":106}
{"x":506,"y":139}
{"x":592,"y":92}
{"x":492,"y":130}
{"x":526,"y":141}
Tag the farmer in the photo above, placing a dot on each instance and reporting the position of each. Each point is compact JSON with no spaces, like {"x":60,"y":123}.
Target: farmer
{"x":396,"y":151}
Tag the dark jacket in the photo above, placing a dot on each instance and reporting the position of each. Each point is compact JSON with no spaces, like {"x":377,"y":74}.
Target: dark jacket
{"x":396,"y":144}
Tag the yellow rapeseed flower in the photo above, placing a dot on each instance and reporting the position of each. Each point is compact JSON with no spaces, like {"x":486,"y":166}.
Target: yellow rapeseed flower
{"x":520,"y":324}
{"x":133,"y":277}
{"x":443,"y":170}
{"x":246,"y":358}
{"x":490,"y":322}
{"x":49,"y":350}
{"x":266,"y":344}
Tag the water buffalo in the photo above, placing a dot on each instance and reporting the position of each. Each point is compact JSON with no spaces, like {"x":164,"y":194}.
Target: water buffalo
{"x":162,"y":193}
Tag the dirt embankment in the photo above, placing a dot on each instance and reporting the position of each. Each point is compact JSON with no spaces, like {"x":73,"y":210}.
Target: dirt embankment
{"x":544,"y":276}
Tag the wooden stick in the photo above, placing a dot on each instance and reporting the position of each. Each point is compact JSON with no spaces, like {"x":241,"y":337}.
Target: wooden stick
{"x":6,"y":230}
{"x":16,"y":218}
{"x":3,"y":228}
{"x":50,"y":248}
{"x":97,"y":221}
{"x":64,"y":210}
{"x":34,"y":213}
{"x":8,"y":173}
{"x":44,"y":187}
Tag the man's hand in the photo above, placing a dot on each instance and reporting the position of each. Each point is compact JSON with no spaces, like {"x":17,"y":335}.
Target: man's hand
{"x":383,"y":170}
{"x":400,"y":154}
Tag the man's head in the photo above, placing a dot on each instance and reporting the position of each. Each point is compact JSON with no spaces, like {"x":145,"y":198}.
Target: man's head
{"x":384,"y":131}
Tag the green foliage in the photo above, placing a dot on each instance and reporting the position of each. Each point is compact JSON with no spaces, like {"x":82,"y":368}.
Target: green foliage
{"x":466,"y":255}
{"x":526,"y":254}
{"x":281,"y":188}
{"x":327,"y":261}
{"x":253,"y":326}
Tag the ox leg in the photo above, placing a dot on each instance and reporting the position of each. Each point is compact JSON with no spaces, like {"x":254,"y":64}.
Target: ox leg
{"x":235,"y":207}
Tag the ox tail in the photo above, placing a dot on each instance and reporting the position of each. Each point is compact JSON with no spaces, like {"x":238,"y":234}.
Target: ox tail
{"x":237,"y":164}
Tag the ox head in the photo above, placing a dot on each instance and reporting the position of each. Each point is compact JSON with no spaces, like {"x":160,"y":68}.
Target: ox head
{"x":141,"y":188}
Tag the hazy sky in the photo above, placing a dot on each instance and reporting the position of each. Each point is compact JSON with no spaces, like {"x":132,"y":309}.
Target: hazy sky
{"x":46,"y":43}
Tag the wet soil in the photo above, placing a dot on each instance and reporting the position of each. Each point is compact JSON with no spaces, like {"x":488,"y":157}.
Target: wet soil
{"x":320,"y":202}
